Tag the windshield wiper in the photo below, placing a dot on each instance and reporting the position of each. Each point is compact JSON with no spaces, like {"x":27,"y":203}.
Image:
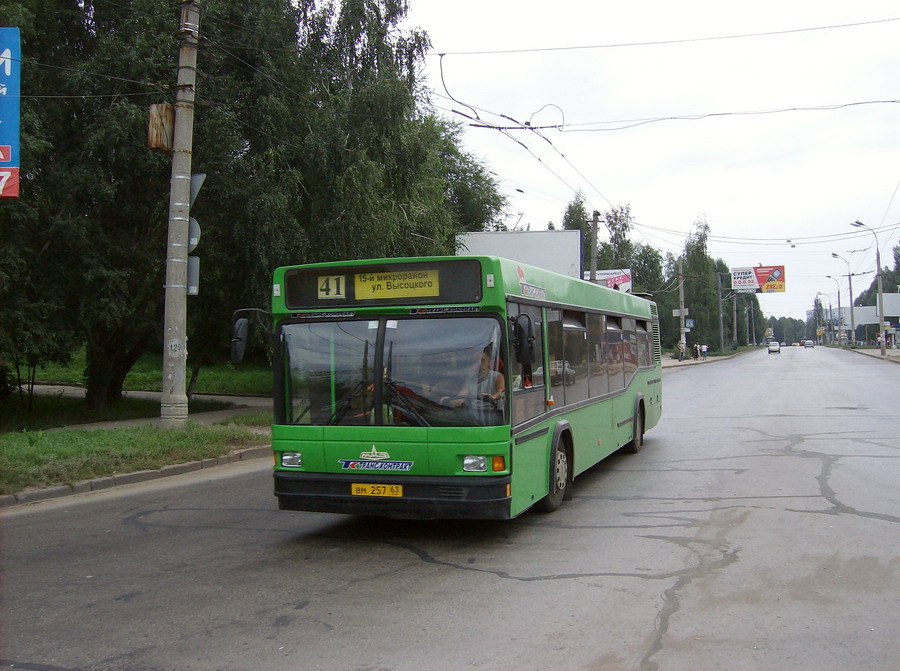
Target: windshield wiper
{"x":342,"y":406}
{"x":396,"y":392}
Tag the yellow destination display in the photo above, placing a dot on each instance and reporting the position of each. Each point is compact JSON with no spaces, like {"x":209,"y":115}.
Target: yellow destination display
{"x":413,"y":283}
{"x":376,"y":490}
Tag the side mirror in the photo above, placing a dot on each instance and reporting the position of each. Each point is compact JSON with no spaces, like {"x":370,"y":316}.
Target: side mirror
{"x":239,"y":339}
{"x":523,"y":338}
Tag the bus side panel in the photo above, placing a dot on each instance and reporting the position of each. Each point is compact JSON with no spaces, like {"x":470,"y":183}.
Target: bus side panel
{"x":652,"y":398}
{"x":530,"y":467}
{"x":593,"y":434}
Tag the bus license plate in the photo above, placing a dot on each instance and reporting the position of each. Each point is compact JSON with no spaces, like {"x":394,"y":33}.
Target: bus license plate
{"x":376,"y":490}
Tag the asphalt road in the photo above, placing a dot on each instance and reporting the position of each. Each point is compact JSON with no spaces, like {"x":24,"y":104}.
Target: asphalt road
{"x":758,"y":529}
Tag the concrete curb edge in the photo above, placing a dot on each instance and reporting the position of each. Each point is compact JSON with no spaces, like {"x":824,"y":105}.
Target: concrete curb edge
{"x":97,"y":484}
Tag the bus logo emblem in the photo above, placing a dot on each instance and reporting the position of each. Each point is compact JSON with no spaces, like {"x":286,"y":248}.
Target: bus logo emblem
{"x":374,"y":454}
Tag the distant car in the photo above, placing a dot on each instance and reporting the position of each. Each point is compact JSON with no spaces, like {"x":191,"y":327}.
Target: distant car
{"x":774,"y":347}
{"x":809,"y":343}
{"x":796,"y":344}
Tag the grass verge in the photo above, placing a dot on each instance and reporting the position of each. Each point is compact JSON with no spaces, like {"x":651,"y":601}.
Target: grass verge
{"x":146,"y":375}
{"x":36,"y":459}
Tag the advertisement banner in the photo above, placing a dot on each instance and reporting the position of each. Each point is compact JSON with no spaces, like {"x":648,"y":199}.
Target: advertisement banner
{"x":617,"y":278}
{"x":758,"y":280}
{"x":10,"y":90}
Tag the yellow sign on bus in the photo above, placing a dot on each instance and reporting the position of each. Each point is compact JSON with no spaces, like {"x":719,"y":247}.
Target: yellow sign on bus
{"x":402,"y":284}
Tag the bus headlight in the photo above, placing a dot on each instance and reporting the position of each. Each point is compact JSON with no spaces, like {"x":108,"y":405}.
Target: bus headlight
{"x":291,"y":459}
{"x":474,"y":464}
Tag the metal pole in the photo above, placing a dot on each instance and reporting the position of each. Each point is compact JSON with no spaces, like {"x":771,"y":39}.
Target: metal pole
{"x":594,"y":222}
{"x":174,"y":404}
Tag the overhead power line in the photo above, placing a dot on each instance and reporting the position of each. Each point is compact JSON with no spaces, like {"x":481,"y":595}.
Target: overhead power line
{"x":623,"y":45}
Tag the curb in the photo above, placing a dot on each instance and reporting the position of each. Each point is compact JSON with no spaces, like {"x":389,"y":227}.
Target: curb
{"x":888,"y":357}
{"x":96,"y":484}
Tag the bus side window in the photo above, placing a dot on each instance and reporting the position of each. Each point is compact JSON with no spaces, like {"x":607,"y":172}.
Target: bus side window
{"x":597,"y":363}
{"x":526,"y":380}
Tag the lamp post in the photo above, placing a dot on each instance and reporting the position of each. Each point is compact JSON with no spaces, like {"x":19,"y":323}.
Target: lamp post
{"x":840,"y":314}
{"x":881,"y":332}
{"x":850,"y":282}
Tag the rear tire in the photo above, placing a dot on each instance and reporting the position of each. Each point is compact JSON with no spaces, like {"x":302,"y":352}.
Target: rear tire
{"x":637,"y":442}
{"x":561,"y":480}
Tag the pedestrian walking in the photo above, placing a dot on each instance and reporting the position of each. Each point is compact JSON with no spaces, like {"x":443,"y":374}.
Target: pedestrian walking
{"x":704,"y":349}
{"x":696,"y":351}
{"x":681,"y":350}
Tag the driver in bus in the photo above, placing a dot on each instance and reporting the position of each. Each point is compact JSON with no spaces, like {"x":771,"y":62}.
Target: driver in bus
{"x":490,"y":385}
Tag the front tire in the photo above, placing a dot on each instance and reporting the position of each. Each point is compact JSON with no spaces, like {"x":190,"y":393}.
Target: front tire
{"x":561,"y":480}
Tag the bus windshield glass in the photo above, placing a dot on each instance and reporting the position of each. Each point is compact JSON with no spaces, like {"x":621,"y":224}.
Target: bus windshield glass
{"x":430,"y":372}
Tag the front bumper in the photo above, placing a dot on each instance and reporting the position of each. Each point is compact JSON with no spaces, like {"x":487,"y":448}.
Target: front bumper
{"x":424,"y":497}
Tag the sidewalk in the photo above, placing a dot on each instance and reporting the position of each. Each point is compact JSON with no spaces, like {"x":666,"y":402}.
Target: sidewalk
{"x":892,"y":355}
{"x":241,"y":405}
{"x":669,"y":362}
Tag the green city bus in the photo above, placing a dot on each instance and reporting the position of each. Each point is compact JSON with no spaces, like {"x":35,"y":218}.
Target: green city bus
{"x":453,"y":387}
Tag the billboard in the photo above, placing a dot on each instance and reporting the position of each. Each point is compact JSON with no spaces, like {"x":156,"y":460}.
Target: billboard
{"x":758,"y":280}
{"x":10,"y":78}
{"x":559,"y":251}
{"x":616,"y":278}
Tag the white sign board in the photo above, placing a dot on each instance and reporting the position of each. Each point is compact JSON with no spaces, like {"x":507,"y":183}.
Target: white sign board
{"x":559,"y":251}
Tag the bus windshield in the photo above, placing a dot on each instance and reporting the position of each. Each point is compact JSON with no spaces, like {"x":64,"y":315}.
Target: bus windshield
{"x":430,"y":372}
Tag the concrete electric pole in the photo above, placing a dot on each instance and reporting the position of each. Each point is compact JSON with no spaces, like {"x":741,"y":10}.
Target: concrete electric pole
{"x":174,"y":404}
{"x":681,"y":311}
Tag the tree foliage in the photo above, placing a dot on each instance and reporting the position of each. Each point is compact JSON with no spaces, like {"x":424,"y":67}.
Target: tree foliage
{"x":310,"y":122}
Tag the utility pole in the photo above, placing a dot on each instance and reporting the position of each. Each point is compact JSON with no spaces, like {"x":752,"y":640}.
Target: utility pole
{"x":752,"y":324}
{"x":721,"y":324}
{"x":734,"y":317}
{"x":852,"y":341}
{"x":681,"y":300}
{"x":174,"y":404}
{"x":595,"y":220}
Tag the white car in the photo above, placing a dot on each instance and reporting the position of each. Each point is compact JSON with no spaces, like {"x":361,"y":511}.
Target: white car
{"x":809,"y":343}
{"x":774,"y":347}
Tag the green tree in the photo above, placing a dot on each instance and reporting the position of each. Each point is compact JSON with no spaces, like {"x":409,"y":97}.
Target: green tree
{"x":310,"y":123}
{"x":576,"y":218}
{"x":700,"y":289}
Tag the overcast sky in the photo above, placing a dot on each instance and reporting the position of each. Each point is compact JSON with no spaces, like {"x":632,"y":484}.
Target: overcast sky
{"x":758,"y":177}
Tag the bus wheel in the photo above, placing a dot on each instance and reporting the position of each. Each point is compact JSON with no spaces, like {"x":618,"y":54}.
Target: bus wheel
{"x":638,"y":441}
{"x":561,"y":481}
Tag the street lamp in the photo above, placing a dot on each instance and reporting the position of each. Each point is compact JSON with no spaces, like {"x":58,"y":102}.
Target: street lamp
{"x":850,"y":281}
{"x":881,"y":332}
{"x":840,"y":314}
